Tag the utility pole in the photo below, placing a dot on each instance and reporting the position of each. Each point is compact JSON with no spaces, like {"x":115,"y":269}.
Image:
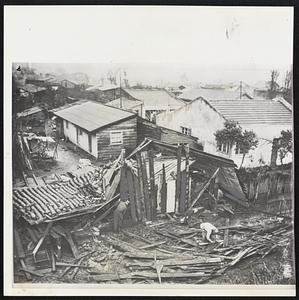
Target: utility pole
{"x":120,"y":100}
{"x":240,"y":90}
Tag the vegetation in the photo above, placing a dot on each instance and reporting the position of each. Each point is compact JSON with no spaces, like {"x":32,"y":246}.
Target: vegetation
{"x":232,"y":134}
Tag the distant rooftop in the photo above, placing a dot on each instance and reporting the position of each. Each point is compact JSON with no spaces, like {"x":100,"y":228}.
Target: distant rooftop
{"x":124,"y":103}
{"x":154,"y":97}
{"x":100,"y":87}
{"x":211,"y":94}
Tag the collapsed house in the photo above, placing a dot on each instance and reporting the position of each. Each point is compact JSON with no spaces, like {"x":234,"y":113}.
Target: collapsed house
{"x":158,"y":179}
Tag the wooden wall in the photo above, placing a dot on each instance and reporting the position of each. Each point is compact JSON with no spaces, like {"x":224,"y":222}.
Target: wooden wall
{"x":107,"y":151}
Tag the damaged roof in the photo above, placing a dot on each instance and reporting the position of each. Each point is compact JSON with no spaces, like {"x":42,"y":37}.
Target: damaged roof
{"x":91,"y":115}
{"x":29,"y":111}
{"x":57,"y":200}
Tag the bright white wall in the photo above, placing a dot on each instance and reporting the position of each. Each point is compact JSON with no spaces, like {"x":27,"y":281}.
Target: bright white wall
{"x":204,"y":121}
{"x":71,"y":134}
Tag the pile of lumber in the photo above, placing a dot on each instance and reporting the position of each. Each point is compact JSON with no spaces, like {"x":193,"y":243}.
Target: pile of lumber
{"x":59,"y":199}
{"x":198,"y":260}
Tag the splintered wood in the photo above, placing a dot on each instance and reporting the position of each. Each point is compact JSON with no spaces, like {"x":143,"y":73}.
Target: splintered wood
{"x":202,"y":262}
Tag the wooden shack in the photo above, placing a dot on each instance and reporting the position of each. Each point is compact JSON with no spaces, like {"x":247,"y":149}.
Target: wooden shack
{"x":100,"y":130}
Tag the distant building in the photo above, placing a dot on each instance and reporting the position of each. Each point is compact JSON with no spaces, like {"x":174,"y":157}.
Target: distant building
{"x":100,"y":130}
{"x":201,"y":118}
{"x":32,"y":120}
{"x":154,"y":101}
{"x":104,"y":93}
{"x":211,"y":93}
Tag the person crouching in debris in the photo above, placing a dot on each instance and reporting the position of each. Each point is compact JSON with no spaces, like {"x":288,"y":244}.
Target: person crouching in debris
{"x":208,"y":230}
{"x":118,"y":215}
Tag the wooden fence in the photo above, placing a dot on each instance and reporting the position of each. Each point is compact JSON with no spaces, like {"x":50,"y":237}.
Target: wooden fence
{"x":271,"y":189}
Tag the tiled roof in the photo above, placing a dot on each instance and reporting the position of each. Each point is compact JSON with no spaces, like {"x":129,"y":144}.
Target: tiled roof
{"x":58,"y":200}
{"x":91,"y":115}
{"x":158,"y":97}
{"x":255,"y":112}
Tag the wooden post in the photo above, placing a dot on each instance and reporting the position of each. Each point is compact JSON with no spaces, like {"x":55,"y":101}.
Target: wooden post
{"x":123,"y":187}
{"x":163,"y":191}
{"x":182,"y":201}
{"x":187,"y":193}
{"x":225,"y":241}
{"x":147,"y":200}
{"x":140,"y":185}
{"x":152,"y":183}
{"x":178,"y":178}
{"x":132,"y":195}
{"x":139,"y":206}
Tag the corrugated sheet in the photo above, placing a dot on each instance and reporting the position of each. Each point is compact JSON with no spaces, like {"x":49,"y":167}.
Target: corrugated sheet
{"x":91,"y":115}
{"x":125,"y":103}
{"x":248,"y":112}
{"x":156,"y":98}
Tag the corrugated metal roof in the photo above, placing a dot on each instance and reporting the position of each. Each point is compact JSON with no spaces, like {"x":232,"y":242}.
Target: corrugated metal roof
{"x":210,"y":94}
{"x":125,"y":102}
{"x":91,"y":115}
{"x":158,"y":97}
{"x":248,"y":112}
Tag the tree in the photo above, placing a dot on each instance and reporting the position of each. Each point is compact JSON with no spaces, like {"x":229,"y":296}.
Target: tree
{"x":285,"y":144}
{"x":288,"y":86}
{"x":248,"y":141}
{"x":273,"y":85}
{"x":232,"y":134}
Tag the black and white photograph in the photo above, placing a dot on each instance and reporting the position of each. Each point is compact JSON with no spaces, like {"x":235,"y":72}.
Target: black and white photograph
{"x":148,"y":147}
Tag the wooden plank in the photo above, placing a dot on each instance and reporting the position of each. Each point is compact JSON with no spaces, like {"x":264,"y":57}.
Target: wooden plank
{"x":203,"y":189}
{"x":152,"y":245}
{"x":18,"y":244}
{"x":153,"y":194}
{"x":132,"y":195}
{"x":42,"y":239}
{"x":72,"y":245}
{"x":149,"y":275}
{"x":32,"y":235}
{"x":178,"y":178}
{"x":24,"y":269}
{"x":226,"y":233}
{"x":123,"y":185}
{"x":147,"y":201}
{"x":187,"y":170}
{"x":113,"y":187}
{"x":163,"y":191}
{"x":139,"y":208}
{"x":140,"y":186}
{"x":182,"y":200}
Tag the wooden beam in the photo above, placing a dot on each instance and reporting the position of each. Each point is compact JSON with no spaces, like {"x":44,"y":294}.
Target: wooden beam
{"x":163,"y":191}
{"x":153,"y":194}
{"x":147,"y":202}
{"x":187,"y":169}
{"x":132,"y":195}
{"x":178,"y":179}
{"x":203,"y":189}
{"x":42,"y":239}
{"x":140,"y":186}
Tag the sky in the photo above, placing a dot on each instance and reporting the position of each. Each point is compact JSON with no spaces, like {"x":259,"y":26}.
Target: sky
{"x":154,"y":43}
